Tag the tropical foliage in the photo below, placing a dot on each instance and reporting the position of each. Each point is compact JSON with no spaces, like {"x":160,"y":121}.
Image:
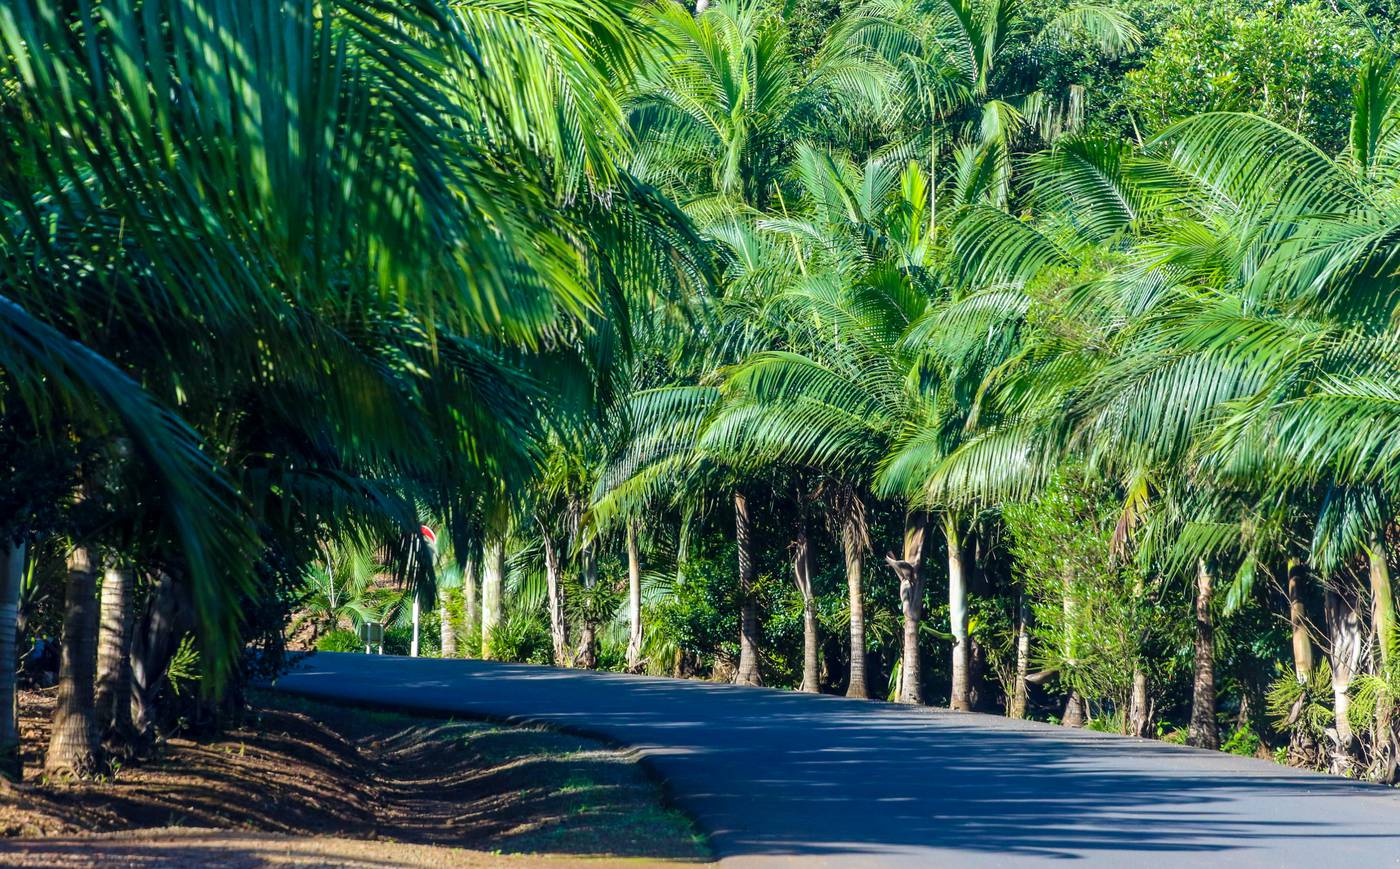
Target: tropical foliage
{"x":1026,"y":356}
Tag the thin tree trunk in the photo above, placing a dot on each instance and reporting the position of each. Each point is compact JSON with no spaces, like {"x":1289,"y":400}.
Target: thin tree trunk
{"x":446,"y":628}
{"x":417,"y":613}
{"x":471,"y":603}
{"x":113,"y":695}
{"x":554,"y":587}
{"x":493,"y":575}
{"x":588,"y":632}
{"x":11,"y":585}
{"x":1203,"y":731}
{"x":73,"y":747}
{"x":169,"y":615}
{"x":634,"y":601}
{"x":1298,"y":621}
{"x":1019,"y":692}
{"x":701,"y":6}
{"x":802,"y":577}
{"x":1382,"y":599}
{"x":1139,"y":717}
{"x":909,"y":568}
{"x":960,"y":699}
{"x":1344,"y":625}
{"x":747,"y":673}
{"x":853,"y":541}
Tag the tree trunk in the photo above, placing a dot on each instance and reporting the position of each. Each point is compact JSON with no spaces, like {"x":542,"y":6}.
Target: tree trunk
{"x":493,"y":576}
{"x":169,"y":615}
{"x":1139,"y":718}
{"x":853,"y":541}
{"x":1140,"y":705}
{"x":554,"y":587}
{"x":747,"y":674}
{"x":73,"y":747}
{"x":1382,"y":600}
{"x":802,"y":576}
{"x":960,"y":697}
{"x":1203,"y":731}
{"x":1344,"y":625}
{"x":588,"y":632}
{"x":701,"y":6}
{"x":446,"y":628}
{"x":634,"y":601}
{"x":1298,"y":621}
{"x":1019,"y":691}
{"x":417,"y":618}
{"x":11,"y":585}
{"x":1075,"y":715}
{"x":113,"y":695}
{"x":909,"y":568}
{"x":471,"y":604}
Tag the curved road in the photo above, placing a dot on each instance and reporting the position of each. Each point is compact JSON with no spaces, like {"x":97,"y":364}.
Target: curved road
{"x":776,"y":777}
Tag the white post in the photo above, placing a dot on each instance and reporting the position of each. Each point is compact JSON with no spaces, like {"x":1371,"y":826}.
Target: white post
{"x":413,"y":647}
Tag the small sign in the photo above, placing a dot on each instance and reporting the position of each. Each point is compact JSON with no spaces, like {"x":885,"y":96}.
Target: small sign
{"x":372,"y":634}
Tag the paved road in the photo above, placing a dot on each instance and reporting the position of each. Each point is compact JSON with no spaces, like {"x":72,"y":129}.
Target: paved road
{"x":776,"y":777}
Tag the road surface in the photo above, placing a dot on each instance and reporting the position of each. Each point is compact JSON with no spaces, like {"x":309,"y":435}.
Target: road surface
{"x":777,"y":778}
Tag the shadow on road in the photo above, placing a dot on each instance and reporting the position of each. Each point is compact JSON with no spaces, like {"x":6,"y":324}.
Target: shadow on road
{"x":778,"y":773}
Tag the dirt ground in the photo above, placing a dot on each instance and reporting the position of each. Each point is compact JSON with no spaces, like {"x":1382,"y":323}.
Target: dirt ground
{"x":315,"y":785}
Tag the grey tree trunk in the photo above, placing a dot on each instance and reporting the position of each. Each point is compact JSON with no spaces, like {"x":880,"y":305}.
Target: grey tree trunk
{"x":554,"y":588}
{"x":802,"y":577}
{"x":493,"y":576}
{"x":634,"y":601}
{"x":471,"y":603}
{"x":587,"y":656}
{"x":446,"y":628}
{"x":1019,"y":692}
{"x":909,"y":568}
{"x":853,"y":542}
{"x":11,"y":585}
{"x":1139,"y":718}
{"x":1075,"y":714}
{"x":169,"y":615}
{"x":1344,"y":625}
{"x":113,"y":695}
{"x":73,"y":745}
{"x":747,"y":674}
{"x":417,"y":618}
{"x":1382,"y":599}
{"x":1298,"y":620}
{"x":1203,"y":731}
{"x":961,"y":695}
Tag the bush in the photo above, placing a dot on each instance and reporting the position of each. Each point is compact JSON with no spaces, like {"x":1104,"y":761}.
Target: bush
{"x":340,"y":640}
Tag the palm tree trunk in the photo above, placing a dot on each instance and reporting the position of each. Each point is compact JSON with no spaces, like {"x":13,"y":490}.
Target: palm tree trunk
{"x":11,"y":585}
{"x":909,"y":568}
{"x":1298,"y":620}
{"x":73,"y":748}
{"x":471,"y":603}
{"x":554,"y":588}
{"x":1382,"y":599}
{"x":1344,"y":625}
{"x":960,"y":697}
{"x":853,"y":550}
{"x":802,"y":577}
{"x":493,"y":576}
{"x":747,"y":673}
{"x":1075,"y":714}
{"x":1139,"y":717}
{"x":446,"y":628}
{"x":634,"y":601}
{"x":113,"y":695}
{"x":169,"y":615}
{"x":587,"y":656}
{"x":1019,"y":693}
{"x":1203,"y":731}
{"x":417,"y":618}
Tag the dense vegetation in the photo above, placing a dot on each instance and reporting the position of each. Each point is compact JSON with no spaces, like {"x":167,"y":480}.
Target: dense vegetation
{"x":1035,"y":357}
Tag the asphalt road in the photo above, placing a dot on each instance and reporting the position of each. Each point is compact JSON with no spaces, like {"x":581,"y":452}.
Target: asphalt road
{"x":776,"y":777}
